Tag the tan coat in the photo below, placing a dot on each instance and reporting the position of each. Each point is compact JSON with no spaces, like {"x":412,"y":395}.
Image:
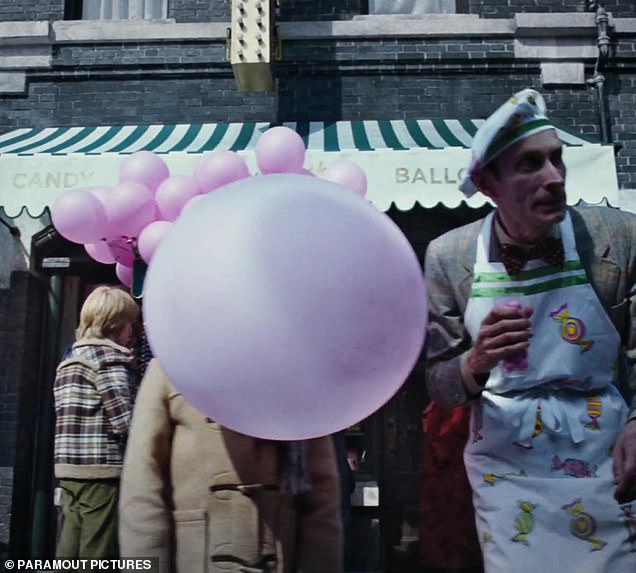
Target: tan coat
{"x":183,"y":497}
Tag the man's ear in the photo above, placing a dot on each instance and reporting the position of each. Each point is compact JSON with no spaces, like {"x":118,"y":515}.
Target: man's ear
{"x":483,"y":180}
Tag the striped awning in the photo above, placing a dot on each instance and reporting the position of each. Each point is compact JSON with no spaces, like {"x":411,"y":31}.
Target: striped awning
{"x":406,"y":161}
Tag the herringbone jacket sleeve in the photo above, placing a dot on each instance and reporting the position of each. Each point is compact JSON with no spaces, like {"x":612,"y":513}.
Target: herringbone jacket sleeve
{"x":606,"y":241}
{"x":448,"y":272}
{"x":629,"y":336}
{"x":630,"y":352}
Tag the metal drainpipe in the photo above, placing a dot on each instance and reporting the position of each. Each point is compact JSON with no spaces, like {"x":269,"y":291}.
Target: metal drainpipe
{"x":598,"y":79}
{"x":43,"y":516}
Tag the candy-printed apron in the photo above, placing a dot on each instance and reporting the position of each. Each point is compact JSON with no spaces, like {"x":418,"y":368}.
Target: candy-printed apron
{"x":539,"y":453}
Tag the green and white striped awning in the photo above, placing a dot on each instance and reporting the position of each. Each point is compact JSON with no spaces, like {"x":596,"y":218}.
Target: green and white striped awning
{"x":361,"y":135}
{"x":406,"y":161}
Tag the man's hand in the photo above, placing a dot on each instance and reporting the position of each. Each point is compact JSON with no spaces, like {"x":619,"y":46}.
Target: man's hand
{"x":504,"y":333}
{"x":625,"y":463}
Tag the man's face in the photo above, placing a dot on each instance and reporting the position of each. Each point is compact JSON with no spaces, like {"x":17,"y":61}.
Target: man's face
{"x":527,"y":183}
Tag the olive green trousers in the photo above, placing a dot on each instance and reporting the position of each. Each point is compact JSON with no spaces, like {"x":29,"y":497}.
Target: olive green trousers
{"x":89,"y":527}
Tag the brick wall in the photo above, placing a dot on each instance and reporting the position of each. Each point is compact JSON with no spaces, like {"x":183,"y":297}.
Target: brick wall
{"x":21,"y":307}
{"x":622,"y":104}
{"x":6,"y":490}
{"x":320,"y":9}
{"x":199,"y":10}
{"x":14,"y":309}
{"x":508,"y":8}
{"x":31,"y":10}
{"x":320,"y":96}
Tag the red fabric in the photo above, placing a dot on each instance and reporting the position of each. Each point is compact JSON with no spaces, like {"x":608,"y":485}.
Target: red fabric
{"x":448,"y":537}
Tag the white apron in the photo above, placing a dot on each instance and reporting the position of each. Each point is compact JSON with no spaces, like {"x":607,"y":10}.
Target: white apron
{"x":539,"y":454}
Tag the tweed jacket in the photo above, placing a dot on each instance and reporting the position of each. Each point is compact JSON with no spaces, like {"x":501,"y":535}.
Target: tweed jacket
{"x":606,"y":244}
{"x":93,"y":409}
{"x":205,"y":499}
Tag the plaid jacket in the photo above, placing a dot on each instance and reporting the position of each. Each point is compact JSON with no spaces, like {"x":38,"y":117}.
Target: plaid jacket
{"x":606,"y":243}
{"x":93,"y":409}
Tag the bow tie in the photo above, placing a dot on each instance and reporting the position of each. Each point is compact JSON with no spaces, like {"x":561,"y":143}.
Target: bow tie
{"x":549,"y":250}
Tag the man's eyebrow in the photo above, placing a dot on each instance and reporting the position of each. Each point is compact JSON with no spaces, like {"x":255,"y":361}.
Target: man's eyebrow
{"x":533,"y":151}
{"x":530,"y":154}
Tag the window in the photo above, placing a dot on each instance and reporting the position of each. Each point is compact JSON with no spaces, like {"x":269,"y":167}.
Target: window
{"x":123,"y":9}
{"x":413,"y":6}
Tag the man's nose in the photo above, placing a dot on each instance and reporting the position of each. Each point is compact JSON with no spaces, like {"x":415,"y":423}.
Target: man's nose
{"x":554,"y":172}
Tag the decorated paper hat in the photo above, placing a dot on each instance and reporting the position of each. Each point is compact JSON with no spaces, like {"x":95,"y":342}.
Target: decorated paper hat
{"x":523,"y":115}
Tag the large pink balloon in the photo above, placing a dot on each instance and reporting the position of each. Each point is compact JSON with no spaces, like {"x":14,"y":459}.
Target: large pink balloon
{"x":219,"y":168}
{"x":144,"y":167}
{"x":79,"y":216}
{"x":151,"y":237}
{"x":173,"y":194}
{"x":348,"y":174}
{"x":124,"y":274}
{"x":100,"y":252}
{"x":280,"y":150}
{"x":304,"y":313}
{"x":191,"y":203}
{"x":130,"y":207}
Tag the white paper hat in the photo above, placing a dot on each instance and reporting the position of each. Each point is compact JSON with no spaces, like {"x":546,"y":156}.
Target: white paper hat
{"x":523,"y":115}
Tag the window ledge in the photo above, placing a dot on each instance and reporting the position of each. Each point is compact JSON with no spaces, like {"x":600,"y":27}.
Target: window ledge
{"x":73,"y":31}
{"x":555,"y":24}
{"x":16,"y":33}
{"x":388,"y":25}
{"x":624,"y":25}
{"x":523,"y":27}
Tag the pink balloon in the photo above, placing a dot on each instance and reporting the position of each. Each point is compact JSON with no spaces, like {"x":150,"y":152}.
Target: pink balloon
{"x":348,"y":174}
{"x":130,"y":207}
{"x":100,"y":252}
{"x":150,"y":238}
{"x":122,"y":251}
{"x":173,"y":194}
{"x":79,"y":216}
{"x":144,"y":167}
{"x":219,"y":168}
{"x":273,"y":333}
{"x":280,"y":150}
{"x":102,"y":192}
{"x":124,"y":274}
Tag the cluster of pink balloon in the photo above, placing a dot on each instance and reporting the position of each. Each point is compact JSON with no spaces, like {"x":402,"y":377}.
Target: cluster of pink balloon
{"x":298,"y":308}
{"x":119,"y":223}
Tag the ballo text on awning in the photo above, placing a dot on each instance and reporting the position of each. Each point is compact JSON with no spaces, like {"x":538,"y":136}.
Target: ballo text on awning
{"x":429,"y":176}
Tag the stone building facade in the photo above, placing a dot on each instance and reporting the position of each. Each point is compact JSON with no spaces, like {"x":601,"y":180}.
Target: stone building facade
{"x":339,"y":62}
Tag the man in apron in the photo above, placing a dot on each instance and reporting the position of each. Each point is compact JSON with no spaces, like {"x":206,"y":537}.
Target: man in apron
{"x":533,"y":321}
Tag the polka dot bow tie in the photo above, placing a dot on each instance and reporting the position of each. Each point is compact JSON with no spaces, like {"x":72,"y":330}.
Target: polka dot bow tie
{"x":549,"y":250}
